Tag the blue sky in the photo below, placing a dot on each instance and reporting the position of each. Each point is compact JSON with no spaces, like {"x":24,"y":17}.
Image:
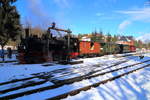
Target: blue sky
{"x":127,"y":17}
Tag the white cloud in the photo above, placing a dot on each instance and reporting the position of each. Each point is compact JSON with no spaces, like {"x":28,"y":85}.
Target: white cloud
{"x":147,"y":3}
{"x":142,"y":14}
{"x":99,"y":14}
{"x":123,"y":26}
{"x":145,"y":38}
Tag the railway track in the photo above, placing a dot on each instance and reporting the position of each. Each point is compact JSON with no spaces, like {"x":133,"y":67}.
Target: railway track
{"x":47,"y":65}
{"x":85,"y":68}
{"x":59,"y":83}
{"x":35,"y":75}
{"x":43,"y":81}
{"x":50,"y":64}
{"x":62,"y":70}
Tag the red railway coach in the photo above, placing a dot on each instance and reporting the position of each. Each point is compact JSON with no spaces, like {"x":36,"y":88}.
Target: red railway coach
{"x":132,"y":48}
{"x":89,"y":48}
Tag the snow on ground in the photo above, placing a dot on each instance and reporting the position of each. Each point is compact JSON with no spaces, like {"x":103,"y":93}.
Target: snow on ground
{"x":135,"y":86}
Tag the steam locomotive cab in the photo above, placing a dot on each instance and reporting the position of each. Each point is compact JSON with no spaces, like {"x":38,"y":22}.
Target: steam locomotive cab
{"x":33,"y":50}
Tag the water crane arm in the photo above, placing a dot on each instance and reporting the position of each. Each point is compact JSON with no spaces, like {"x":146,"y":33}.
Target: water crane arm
{"x":57,"y":29}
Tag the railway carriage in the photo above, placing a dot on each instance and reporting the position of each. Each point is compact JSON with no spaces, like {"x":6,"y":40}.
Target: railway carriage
{"x":132,"y":48}
{"x":110,"y":48}
{"x":88,"y":48}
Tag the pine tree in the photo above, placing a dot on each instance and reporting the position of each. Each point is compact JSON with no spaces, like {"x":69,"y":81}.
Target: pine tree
{"x":115,"y":38}
{"x":101,"y":36}
{"x":10,"y":25}
{"x":109,"y":37}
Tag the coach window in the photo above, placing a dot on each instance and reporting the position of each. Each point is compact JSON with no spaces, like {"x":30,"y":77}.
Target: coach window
{"x":92,"y":46}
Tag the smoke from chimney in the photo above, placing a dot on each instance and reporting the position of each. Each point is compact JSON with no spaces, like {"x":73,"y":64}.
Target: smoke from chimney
{"x":38,"y":13}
